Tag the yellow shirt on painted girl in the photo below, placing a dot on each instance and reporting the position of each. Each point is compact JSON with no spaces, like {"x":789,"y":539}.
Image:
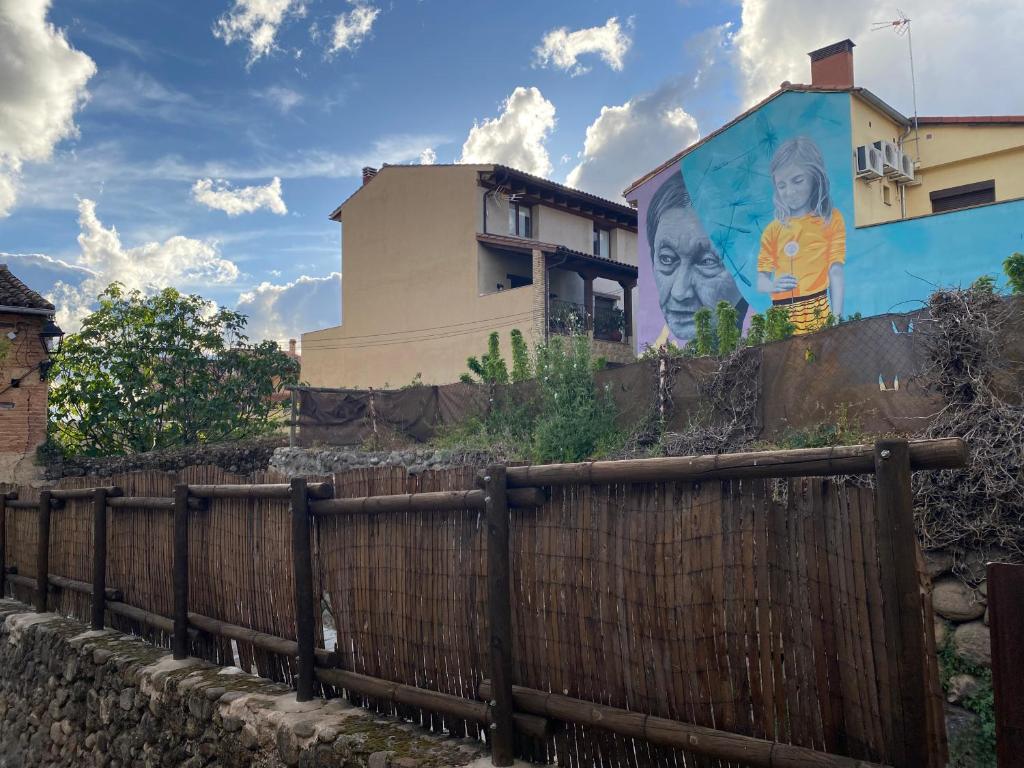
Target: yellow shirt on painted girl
{"x":806,"y":246}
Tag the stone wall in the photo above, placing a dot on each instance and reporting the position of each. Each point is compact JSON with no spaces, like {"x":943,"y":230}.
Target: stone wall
{"x":959,"y":601}
{"x":298,"y":462}
{"x":71,"y":697}
{"x":241,"y":457}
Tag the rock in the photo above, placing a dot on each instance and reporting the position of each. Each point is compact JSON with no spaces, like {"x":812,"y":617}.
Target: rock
{"x":380,"y":760}
{"x":954,"y":600}
{"x":973,"y":644}
{"x":232,"y":724}
{"x":304,"y":729}
{"x":961,"y":687}
{"x":287,"y":746}
{"x":941,"y":632}
{"x":249,"y":737}
{"x":961,"y":725}
{"x":127,"y":699}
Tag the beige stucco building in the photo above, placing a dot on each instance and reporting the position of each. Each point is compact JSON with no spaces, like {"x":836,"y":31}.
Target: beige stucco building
{"x":436,"y":257}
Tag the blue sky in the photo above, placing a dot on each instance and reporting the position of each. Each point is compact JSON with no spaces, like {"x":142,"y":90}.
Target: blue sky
{"x":125,"y":120}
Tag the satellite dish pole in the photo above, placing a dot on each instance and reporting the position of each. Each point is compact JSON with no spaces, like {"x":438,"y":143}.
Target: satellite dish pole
{"x":901,"y":26}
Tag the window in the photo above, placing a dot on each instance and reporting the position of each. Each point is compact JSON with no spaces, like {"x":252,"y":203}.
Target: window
{"x":887,"y":194}
{"x":518,"y":281}
{"x":520,"y":220}
{"x":965,"y":196}
{"x":601,"y":242}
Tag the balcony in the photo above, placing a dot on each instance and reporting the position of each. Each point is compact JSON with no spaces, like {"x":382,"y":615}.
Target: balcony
{"x":607,"y":322}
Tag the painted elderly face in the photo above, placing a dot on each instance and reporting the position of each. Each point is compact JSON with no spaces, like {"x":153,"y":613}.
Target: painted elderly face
{"x":795,"y":186}
{"x":688,"y":271}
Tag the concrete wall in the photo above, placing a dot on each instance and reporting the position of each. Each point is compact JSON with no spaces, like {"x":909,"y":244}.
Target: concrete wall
{"x":889,"y":264}
{"x":69,"y":697}
{"x":494,"y":266}
{"x":22,"y":408}
{"x":410,"y":291}
{"x":419,"y":292}
{"x":868,"y":124}
{"x":552,"y":225}
{"x":950,"y":155}
{"x":954,"y":155}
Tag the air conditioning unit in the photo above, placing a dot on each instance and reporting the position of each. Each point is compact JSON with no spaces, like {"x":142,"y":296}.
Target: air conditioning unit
{"x":891,"y":155}
{"x":869,"y":162}
{"x":906,"y":173}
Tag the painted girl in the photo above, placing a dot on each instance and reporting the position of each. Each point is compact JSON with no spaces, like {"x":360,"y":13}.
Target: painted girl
{"x":803,"y":250}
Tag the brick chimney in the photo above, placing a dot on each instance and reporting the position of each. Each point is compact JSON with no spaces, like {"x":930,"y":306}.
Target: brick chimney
{"x":291,"y":348}
{"x":369,"y":173}
{"x":832,"y":66}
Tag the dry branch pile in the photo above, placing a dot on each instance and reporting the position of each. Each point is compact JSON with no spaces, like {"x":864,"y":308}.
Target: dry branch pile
{"x":981,"y":506}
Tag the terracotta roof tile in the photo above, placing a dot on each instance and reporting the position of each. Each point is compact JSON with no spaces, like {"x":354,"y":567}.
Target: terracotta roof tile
{"x":14,"y":293}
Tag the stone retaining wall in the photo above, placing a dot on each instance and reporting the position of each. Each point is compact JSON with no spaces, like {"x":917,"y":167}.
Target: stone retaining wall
{"x":70,"y":697}
{"x":962,"y":636}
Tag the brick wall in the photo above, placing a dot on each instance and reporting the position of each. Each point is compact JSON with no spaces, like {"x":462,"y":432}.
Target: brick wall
{"x":22,"y":408}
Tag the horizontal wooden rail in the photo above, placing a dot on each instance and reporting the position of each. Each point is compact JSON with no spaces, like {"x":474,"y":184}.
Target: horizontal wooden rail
{"x":154,"y":620}
{"x":758,"y":753}
{"x":943,"y":453}
{"x":423,"y":502}
{"x":61,"y":582}
{"x":21,"y":504}
{"x":258,"y":491}
{"x":83,"y":587}
{"x":84,"y":493}
{"x":433,"y":701}
{"x":151,"y":502}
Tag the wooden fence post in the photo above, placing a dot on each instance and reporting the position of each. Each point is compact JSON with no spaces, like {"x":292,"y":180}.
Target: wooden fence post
{"x":499,"y":612}
{"x":294,"y":416}
{"x":904,"y":627}
{"x":43,"y":553}
{"x":302,"y":563}
{"x":1006,"y":620}
{"x":179,"y":641}
{"x":3,"y":545}
{"x":99,"y":556}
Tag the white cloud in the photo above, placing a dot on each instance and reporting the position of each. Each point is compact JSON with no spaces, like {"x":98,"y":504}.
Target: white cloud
{"x":42,"y":83}
{"x":178,"y":261}
{"x":626,"y":140}
{"x":351,"y":28}
{"x":516,"y":137}
{"x":285,"y":99}
{"x":281,"y":312}
{"x":221,"y":197}
{"x":963,"y":52}
{"x":563,"y":48}
{"x":428,"y":156}
{"x":126,"y":91}
{"x":257,"y":23}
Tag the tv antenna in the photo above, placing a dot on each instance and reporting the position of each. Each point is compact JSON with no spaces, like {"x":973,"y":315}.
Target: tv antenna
{"x":901,"y":26}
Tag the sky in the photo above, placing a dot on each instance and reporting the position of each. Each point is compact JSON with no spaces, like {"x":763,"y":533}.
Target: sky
{"x":202,"y":145}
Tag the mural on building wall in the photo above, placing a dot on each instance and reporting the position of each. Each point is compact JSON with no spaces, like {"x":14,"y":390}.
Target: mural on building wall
{"x":762,"y":214}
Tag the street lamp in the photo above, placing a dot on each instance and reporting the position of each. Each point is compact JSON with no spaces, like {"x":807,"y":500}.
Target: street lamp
{"x":50,"y":337}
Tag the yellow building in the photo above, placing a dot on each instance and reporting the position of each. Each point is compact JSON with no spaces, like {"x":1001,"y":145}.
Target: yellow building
{"x":827,"y":201}
{"x":436,"y":257}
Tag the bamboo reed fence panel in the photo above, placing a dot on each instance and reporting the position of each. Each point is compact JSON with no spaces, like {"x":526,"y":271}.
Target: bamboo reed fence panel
{"x":754,"y":606}
{"x":407,"y":590}
{"x":71,"y":549}
{"x":240,"y":570}
{"x":21,"y":542}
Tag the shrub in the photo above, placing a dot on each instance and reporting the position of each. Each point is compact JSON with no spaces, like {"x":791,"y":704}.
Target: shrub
{"x":1014,"y":269}
{"x":574,"y":419}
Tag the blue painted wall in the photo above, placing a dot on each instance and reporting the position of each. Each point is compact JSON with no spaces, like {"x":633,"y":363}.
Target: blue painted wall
{"x":889,"y":267}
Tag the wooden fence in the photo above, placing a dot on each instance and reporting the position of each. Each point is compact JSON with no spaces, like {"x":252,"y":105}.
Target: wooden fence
{"x":759,"y":609}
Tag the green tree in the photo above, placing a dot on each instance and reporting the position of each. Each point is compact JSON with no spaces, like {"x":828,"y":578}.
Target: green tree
{"x":727,"y":327}
{"x":756,"y":334}
{"x":149,"y":372}
{"x":777,"y":325}
{"x":520,"y":357}
{"x":490,"y":367}
{"x":1014,"y":269}
{"x":704,"y":333}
